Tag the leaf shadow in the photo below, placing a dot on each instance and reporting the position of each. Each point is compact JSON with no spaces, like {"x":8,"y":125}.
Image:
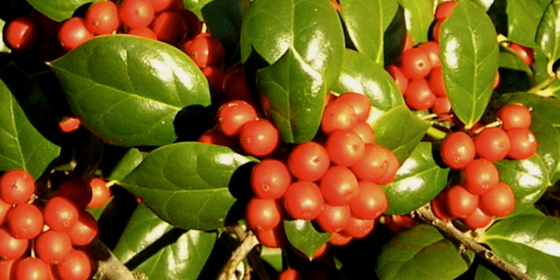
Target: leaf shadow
{"x":192,"y":121}
{"x":239,"y":187}
{"x":167,"y":239}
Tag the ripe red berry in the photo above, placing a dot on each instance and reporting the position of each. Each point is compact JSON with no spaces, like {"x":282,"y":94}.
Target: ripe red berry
{"x":359,"y":102}
{"x":76,"y":266}
{"x":419,"y":96}
{"x":415,"y":64}
{"x":60,"y":214}
{"x":269,"y":179}
{"x":11,"y":248}
{"x":525,"y":53}
{"x":392,"y":168}
{"x":205,"y":50}
{"x":69,"y":124}
{"x":408,"y":42}
{"x":499,"y":202}
{"x":436,"y":28}
{"x":442,"y":107}
{"x":480,"y":176}
{"x":234,"y":86}
{"x":30,"y":268}
{"x":338,"y":116}
{"x":436,"y":83}
{"x":358,"y":228}
{"x":439,"y":206}
{"x":432,"y":49}
{"x":478,"y":219}
{"x":444,"y":9}
{"x":21,"y":33}
{"x":100,"y":193}
{"x":263,"y":214}
{"x":303,"y":200}
{"x":169,"y":27}
{"x":160,"y":5}
{"x":25,"y":221}
{"x":233,"y":115}
{"x":492,"y":144}
{"x":370,"y":202}
{"x":514,"y":116}
{"x":53,"y":246}
{"x":373,"y":165}
{"x":4,"y":208}
{"x":102,"y":18}
{"x":345,"y":147}
{"x":400,"y":79}
{"x":85,"y":229}
{"x":73,"y":33}
{"x":339,"y":239}
{"x":136,"y":13}
{"x":76,"y":191}
{"x":143,"y":32}
{"x":523,"y":143}
{"x":461,"y":202}
{"x":273,"y":238}
{"x":16,"y":186}
{"x":364,"y":130}
{"x":457,"y":150}
{"x":339,"y":185}
{"x":6,"y":269}
{"x":259,"y":138}
{"x":216,"y":137}
{"x":333,"y":218}
{"x":290,"y":273}
{"x":308,"y":161}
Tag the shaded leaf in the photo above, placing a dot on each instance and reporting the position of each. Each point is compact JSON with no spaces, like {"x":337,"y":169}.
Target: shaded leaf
{"x":196,"y":6}
{"x":418,"y":181}
{"x":295,"y":95}
{"x":389,"y":132}
{"x":119,"y":161}
{"x":394,"y":37}
{"x":419,"y":16}
{"x":224,"y":18}
{"x":187,"y":184}
{"x":421,"y":253}
{"x":304,"y":237}
{"x":25,"y":123}
{"x":529,"y":242}
{"x":523,"y":17}
{"x":469,"y":56}
{"x":548,"y":139}
{"x":128,"y":90}
{"x":150,"y":246}
{"x":58,"y":10}
{"x":509,"y":60}
{"x":548,"y":32}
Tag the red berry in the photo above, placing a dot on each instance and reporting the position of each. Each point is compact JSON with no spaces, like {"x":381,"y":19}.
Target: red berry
{"x":25,"y":221}
{"x":359,"y":102}
{"x":169,"y":27}
{"x":76,"y":266}
{"x":11,"y":248}
{"x":480,"y":176}
{"x":102,"y":18}
{"x":30,"y":268}
{"x":60,"y":214}
{"x":16,"y":186}
{"x":100,"y":193}
{"x":345,"y":147}
{"x":499,"y":202}
{"x":53,"y":246}
{"x":205,"y":50}
{"x":303,"y":200}
{"x":525,"y":53}
{"x":143,"y":32}
{"x":21,"y":33}
{"x":308,"y":161}
{"x":333,"y":218}
{"x":392,"y":168}
{"x":373,"y":165}
{"x":76,"y":191}
{"x":4,"y":208}
{"x":136,"y":13}
{"x":215,"y":76}
{"x":439,"y":206}
{"x":400,"y":79}
{"x":290,"y":273}
{"x":419,"y":96}
{"x":233,"y":115}
{"x":160,"y":5}
{"x":523,"y":143}
{"x":339,"y":239}
{"x":461,"y":202}
{"x":6,"y":269}
{"x":477,"y":219}
{"x":216,"y":137}
{"x":492,"y":144}
{"x":364,"y":130}
{"x":234,"y":86}
{"x":432,"y":49}
{"x":272,"y":238}
{"x":69,"y":124}
{"x":338,"y":116}
{"x":444,"y":9}
{"x":263,"y":214}
{"x":436,"y":28}
{"x":269,"y":179}
{"x":436,"y":83}
{"x":259,"y":138}
{"x":514,"y":116}
{"x":358,"y":228}
{"x":457,"y":150}
{"x":415,"y":63}
{"x":339,"y":185}
{"x":370,"y":202}
{"x":408,"y":42}
{"x":73,"y":33}
{"x":442,"y":107}
{"x":85,"y":229}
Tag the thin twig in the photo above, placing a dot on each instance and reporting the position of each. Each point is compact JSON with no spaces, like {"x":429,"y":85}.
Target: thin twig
{"x":238,"y":255}
{"x":426,"y":214}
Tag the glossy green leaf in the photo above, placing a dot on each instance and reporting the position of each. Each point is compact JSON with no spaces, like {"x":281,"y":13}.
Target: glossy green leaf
{"x":389,"y":132}
{"x":150,"y":246}
{"x":196,"y":6}
{"x":311,"y":29}
{"x":529,"y":242}
{"x":485,"y":4}
{"x":223,"y":19}
{"x":296,"y":97}
{"x":509,"y":60}
{"x":3,"y":47}
{"x":527,"y":178}
{"x":548,"y":32}
{"x":58,"y":10}
{"x":394,"y":37}
{"x":362,"y":75}
{"x":418,"y":181}
{"x":128,"y":90}
{"x":548,"y":108}
{"x":25,"y":123}
{"x":187,"y":184}
{"x":120,"y":161}
{"x":548,"y":139}
{"x":421,"y":253}
{"x":523,"y":17}
{"x":469,"y":56}
{"x":419,"y":17}
{"x":365,"y":22}
{"x":303,"y":236}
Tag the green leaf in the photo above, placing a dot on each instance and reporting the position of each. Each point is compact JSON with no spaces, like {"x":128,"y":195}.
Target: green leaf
{"x":119,"y":161}
{"x":150,"y":246}
{"x":394,"y":37}
{"x":548,"y":108}
{"x":3,"y":47}
{"x":419,"y":17}
{"x":528,"y":242}
{"x":421,"y":253}
{"x":224,"y":19}
{"x":304,"y":237}
{"x":485,"y":4}
{"x":58,"y":10}
{"x":362,"y":75}
{"x":527,"y":178}
{"x":128,"y":90}
{"x":548,"y":32}
{"x":509,"y":60}
{"x":469,"y":55}
{"x":188,"y":184}
{"x":296,"y":97}
{"x":311,"y":29}
{"x":418,"y":181}
{"x":389,"y":132}
{"x":366,"y":21}
{"x":25,"y":124}
{"x":523,"y":17}
{"x":196,"y":6}
{"x":548,"y":139}
{"x":485,"y":273}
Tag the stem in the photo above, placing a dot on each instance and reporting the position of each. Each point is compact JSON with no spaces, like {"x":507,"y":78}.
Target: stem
{"x":238,"y":255}
{"x":536,"y":89}
{"x":426,"y":214}
{"x":108,"y":265}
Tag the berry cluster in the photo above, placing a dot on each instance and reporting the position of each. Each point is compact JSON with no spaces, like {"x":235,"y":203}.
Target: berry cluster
{"x":480,"y":195}
{"x":41,"y":239}
{"x":333,"y":181}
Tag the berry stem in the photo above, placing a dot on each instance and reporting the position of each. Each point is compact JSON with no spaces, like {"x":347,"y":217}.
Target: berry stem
{"x":240,"y":253}
{"x":425,"y":213}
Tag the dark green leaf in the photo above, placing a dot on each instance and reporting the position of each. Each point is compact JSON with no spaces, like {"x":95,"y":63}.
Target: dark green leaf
{"x":419,"y":17}
{"x":418,"y":181}
{"x":304,"y":237}
{"x":361,"y":75}
{"x":528,"y":242}
{"x":509,"y":60}
{"x":548,"y":139}
{"x":119,"y":161}
{"x":548,"y":32}
{"x":311,"y":29}
{"x":421,"y":253}
{"x":527,"y":178}
{"x":296,"y":96}
{"x":187,"y":184}
{"x":58,"y":10}
{"x":224,"y":18}
{"x":196,"y":6}
{"x":469,"y":55}
{"x":128,"y":90}
{"x":389,"y":132}
{"x":523,"y":18}
{"x":150,"y":246}
{"x":25,"y":123}
{"x":366,"y":21}
{"x":485,"y":273}
{"x":394,"y":37}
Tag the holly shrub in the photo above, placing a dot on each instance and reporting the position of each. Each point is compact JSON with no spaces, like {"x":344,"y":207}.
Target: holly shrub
{"x":279,"y":139}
